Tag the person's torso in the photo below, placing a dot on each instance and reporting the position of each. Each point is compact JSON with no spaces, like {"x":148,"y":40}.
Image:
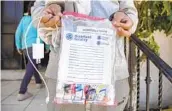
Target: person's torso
{"x":99,"y":8}
{"x":103,"y":9}
{"x":32,"y":32}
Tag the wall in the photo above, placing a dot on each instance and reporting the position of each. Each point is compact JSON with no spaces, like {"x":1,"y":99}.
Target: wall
{"x":166,"y":54}
{"x":12,"y":12}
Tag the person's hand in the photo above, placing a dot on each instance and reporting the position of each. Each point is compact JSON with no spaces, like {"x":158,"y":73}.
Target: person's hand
{"x":122,"y":23}
{"x":20,"y":51}
{"x":52,"y":15}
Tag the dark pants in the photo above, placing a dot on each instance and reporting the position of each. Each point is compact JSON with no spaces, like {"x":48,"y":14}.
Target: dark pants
{"x":30,"y":71}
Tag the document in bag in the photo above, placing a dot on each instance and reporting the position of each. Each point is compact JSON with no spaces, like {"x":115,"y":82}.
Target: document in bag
{"x":86,"y":56}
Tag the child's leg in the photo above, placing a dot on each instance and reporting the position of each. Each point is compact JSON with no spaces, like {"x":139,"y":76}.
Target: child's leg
{"x":28,"y":75}
{"x":122,"y":92}
{"x":37,"y":78}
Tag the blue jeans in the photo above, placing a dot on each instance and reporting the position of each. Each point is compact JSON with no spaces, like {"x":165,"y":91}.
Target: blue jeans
{"x":30,"y":71}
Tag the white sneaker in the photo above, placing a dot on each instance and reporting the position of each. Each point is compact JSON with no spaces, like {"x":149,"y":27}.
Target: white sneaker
{"x":39,"y":86}
{"x":21,"y":97}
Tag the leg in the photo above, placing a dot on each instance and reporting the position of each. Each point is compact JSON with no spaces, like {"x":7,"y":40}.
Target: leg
{"x":27,"y":77}
{"x":37,"y":77}
{"x":51,"y":83}
{"x":122,"y":92}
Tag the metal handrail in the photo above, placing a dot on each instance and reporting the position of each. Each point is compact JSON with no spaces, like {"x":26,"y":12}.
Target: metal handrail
{"x":134,"y":60}
{"x":158,"y":62}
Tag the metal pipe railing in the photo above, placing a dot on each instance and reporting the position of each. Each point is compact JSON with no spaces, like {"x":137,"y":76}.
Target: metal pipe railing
{"x":157,"y":61}
{"x":163,"y":67}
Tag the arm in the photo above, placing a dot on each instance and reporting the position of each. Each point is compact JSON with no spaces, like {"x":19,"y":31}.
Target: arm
{"x":58,"y":2}
{"x":18,"y":35}
{"x":37,"y":11}
{"x":129,"y":8}
{"x":126,"y":19}
{"x":40,"y":7}
{"x":49,"y":10}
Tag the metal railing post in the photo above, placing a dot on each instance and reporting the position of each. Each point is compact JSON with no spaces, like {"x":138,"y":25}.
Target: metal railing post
{"x":148,"y":81}
{"x":160,"y":91}
{"x":133,"y":76}
{"x":138,"y":78}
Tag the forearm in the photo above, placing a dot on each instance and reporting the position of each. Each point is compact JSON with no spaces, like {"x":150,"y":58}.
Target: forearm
{"x":61,"y":3}
{"x":18,"y":35}
{"x":37,"y":12}
{"x":129,"y":8}
{"x":18,"y":42}
{"x":39,"y":6}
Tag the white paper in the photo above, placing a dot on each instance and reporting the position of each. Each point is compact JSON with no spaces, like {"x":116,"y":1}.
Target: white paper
{"x":86,"y":57}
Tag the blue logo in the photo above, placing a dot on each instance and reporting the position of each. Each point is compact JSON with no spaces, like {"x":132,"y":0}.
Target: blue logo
{"x":69,"y":36}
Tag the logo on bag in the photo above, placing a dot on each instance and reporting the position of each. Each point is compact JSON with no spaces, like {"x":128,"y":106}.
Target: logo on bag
{"x":69,"y":36}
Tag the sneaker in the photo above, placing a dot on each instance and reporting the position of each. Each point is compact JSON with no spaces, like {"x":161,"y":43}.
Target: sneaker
{"x":21,"y":97}
{"x":39,"y":86}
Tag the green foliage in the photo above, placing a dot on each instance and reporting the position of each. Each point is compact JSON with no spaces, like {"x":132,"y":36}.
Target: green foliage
{"x":153,"y":15}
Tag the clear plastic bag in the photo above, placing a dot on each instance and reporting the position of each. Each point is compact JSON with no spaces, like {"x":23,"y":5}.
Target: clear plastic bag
{"x":86,"y":64}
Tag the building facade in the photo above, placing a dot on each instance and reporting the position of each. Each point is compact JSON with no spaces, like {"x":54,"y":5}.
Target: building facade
{"x":11,"y":14}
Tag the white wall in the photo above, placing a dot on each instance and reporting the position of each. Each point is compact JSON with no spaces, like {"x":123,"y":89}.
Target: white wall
{"x":165,"y":44}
